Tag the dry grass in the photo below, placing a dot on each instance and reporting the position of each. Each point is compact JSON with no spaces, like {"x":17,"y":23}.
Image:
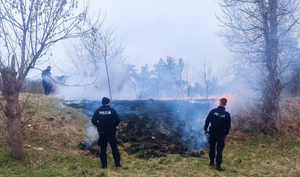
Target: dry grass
{"x":48,"y":123}
{"x":249,"y":119}
{"x":289,"y":122}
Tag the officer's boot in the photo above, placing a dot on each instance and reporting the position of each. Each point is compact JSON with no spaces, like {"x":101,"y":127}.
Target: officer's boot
{"x":211,"y":163}
{"x":219,"y":168}
{"x":118,"y":164}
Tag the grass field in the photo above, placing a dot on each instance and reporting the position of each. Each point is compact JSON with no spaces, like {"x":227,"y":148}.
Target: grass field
{"x":245,"y":154}
{"x":256,"y":156}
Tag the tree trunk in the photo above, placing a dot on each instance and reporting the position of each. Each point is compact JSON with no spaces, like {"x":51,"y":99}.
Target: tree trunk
{"x":107,"y":73}
{"x":271,"y":104}
{"x":272,"y":87}
{"x":14,"y":127}
{"x":10,"y":90}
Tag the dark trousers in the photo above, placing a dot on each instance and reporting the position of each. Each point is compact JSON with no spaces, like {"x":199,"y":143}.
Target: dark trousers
{"x":47,"y":87}
{"x":104,"y":137}
{"x":216,"y":138}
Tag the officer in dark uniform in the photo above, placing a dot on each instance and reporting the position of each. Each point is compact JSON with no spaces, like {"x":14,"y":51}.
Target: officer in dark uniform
{"x":220,"y":122}
{"x":106,"y":120}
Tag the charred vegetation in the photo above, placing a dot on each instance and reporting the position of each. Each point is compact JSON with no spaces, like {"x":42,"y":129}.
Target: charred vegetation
{"x":152,"y":128}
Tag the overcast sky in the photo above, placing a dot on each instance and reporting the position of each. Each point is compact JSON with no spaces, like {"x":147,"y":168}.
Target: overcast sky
{"x":154,"y":29}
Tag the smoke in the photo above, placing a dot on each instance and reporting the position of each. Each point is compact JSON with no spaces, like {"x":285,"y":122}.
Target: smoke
{"x":184,"y":117}
{"x":193,"y":113}
{"x":82,"y":87}
{"x":91,"y":134}
{"x":127,"y":84}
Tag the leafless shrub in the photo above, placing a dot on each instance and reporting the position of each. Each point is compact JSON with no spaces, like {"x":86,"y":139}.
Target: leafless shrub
{"x":33,"y":86}
{"x":289,"y":122}
{"x":249,"y":119}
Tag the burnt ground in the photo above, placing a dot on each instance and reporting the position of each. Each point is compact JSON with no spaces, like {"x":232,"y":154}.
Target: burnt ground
{"x":153,"y":128}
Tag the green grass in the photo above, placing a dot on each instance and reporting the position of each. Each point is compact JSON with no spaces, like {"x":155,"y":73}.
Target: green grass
{"x":255,"y":156}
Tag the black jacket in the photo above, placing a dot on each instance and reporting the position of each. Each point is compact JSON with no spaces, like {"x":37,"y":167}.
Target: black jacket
{"x":46,"y":76}
{"x":105,"y":117}
{"x":219,"y":119}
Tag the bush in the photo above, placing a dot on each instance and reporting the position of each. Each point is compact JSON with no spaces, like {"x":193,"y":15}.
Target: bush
{"x":33,"y":86}
{"x":249,"y":119}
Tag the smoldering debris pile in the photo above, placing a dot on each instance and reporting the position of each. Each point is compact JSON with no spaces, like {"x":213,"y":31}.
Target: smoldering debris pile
{"x":152,"y":128}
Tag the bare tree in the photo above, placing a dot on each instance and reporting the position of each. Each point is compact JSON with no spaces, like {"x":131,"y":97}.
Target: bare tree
{"x":207,"y":78}
{"x":176,"y":74}
{"x":28,"y":29}
{"x":144,"y":79}
{"x":111,"y":48}
{"x":86,"y":51}
{"x":99,"y":47}
{"x":257,"y":29}
{"x":188,"y":75}
{"x":158,"y":88}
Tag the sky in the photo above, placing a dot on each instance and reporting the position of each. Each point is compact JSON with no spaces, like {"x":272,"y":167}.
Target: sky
{"x":155,"y":29}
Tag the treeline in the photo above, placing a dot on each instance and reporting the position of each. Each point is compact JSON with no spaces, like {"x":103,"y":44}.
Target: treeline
{"x":169,"y":79}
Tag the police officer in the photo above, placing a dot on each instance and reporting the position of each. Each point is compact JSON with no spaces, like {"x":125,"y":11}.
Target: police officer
{"x":106,"y":120}
{"x":220,"y":122}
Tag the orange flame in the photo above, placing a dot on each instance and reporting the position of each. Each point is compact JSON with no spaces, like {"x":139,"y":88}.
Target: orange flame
{"x":185,"y":96}
{"x":228,"y":97}
{"x":198,"y":96}
{"x":165,"y":98}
